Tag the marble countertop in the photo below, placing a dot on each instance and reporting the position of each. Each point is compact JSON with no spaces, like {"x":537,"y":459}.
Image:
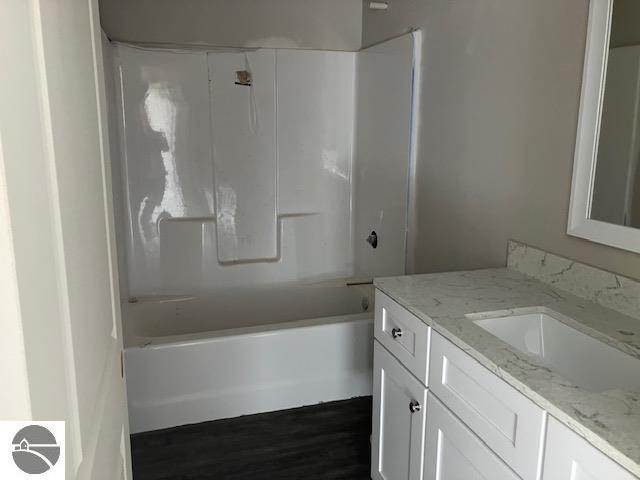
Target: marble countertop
{"x":608,"y":420}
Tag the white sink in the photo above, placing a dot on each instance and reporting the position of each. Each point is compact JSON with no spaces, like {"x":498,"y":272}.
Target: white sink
{"x":581,"y":359}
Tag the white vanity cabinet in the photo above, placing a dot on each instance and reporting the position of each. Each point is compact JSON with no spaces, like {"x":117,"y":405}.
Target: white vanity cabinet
{"x":570,"y":457}
{"x":398,"y":420}
{"x":470,"y":424}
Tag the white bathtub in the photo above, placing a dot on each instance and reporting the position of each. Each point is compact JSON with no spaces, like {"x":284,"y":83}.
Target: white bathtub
{"x":193,"y":359}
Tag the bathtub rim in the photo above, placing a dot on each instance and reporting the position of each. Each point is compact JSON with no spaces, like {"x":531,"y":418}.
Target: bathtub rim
{"x":133,"y":341}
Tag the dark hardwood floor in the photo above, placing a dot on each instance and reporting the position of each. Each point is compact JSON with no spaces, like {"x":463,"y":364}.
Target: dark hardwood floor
{"x":327,"y":441}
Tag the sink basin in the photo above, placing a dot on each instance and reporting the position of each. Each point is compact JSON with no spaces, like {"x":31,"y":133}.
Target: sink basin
{"x":584,"y":361}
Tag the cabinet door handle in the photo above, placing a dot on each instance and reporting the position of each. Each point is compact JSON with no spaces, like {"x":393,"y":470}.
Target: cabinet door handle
{"x":414,"y":406}
{"x":396,"y":332}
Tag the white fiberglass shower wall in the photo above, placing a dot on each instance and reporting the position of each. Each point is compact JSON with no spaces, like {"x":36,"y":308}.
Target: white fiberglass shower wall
{"x":387,"y":106}
{"x":229,"y":185}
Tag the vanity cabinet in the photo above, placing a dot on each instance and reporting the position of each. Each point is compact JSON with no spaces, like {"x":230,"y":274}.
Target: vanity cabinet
{"x":398,"y":420}
{"x":570,"y":457}
{"x":469,"y":424}
{"x":453,"y":452}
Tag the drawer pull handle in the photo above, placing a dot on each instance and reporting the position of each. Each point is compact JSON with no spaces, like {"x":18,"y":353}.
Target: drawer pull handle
{"x":396,"y":332}
{"x":414,"y":406}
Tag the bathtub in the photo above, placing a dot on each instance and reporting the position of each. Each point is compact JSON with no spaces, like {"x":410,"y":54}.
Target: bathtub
{"x":191,"y":359}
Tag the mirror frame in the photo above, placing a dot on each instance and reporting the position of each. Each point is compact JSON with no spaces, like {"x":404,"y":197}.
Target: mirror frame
{"x":586,"y":150}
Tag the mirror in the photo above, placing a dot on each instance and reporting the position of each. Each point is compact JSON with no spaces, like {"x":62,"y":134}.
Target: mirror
{"x":605,"y":198}
{"x":616,"y":187}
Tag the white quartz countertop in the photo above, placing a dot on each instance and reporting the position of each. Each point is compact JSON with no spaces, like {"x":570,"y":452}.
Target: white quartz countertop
{"x":608,"y":420}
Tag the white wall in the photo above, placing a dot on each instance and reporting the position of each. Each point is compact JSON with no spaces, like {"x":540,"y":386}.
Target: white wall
{"x":244,"y":127}
{"x":501,"y":86}
{"x":309,"y":24}
{"x":166,"y":166}
{"x":316,"y":117}
{"x":16,"y":404}
{"x":29,"y":250}
{"x":182,"y":182}
{"x":381,"y":178}
{"x":55,"y":183}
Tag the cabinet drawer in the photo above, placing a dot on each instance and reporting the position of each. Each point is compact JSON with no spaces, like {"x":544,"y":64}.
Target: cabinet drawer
{"x":509,"y":423}
{"x":403,"y":334}
{"x":453,"y":451}
{"x":570,"y":457}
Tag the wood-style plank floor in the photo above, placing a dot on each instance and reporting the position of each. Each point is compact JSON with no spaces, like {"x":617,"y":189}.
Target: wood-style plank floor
{"x":329,"y":441}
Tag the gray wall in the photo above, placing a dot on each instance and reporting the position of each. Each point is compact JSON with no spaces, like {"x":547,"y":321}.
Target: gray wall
{"x":500,"y":95}
{"x":312,"y":24}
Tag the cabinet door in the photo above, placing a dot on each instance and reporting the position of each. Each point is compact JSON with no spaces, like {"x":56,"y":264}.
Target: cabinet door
{"x":398,"y":420}
{"x":453,"y":452}
{"x":509,"y":423}
{"x":570,"y":457}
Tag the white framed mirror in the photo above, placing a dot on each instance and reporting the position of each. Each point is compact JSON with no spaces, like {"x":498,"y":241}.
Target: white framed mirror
{"x":605,"y":192}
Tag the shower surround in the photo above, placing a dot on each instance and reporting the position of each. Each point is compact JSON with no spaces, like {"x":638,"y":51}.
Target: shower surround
{"x":250,"y":183}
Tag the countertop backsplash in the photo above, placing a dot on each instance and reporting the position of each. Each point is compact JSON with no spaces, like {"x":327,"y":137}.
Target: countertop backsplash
{"x":605,"y":288}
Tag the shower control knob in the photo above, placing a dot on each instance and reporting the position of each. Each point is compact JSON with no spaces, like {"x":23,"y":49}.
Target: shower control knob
{"x":396,"y":332}
{"x":414,"y":406}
